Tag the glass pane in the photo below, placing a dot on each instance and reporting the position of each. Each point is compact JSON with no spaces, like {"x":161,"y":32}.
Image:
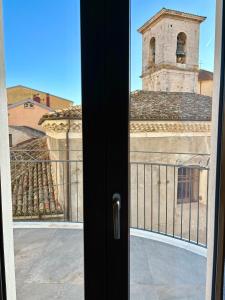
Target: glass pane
{"x":172,"y":61}
{"x":42,"y":50}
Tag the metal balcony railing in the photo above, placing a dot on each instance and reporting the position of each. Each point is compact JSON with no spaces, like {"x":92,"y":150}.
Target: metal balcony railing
{"x":171,"y":200}
{"x":166,"y":198}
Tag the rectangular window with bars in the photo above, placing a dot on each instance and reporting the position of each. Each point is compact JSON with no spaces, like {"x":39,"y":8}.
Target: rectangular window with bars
{"x":188,"y":185}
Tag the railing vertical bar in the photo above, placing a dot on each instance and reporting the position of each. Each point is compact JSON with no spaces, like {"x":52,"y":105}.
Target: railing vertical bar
{"x":174,"y":180}
{"x":181,"y":213}
{"x":151,"y":199}
{"x":159,"y":200}
{"x":198,"y":209}
{"x":137,"y":196}
{"x":190,"y":206}
{"x":60,"y":183}
{"x":166,"y":198}
{"x":77,"y":183}
{"x":56,"y":188}
{"x":207,"y":205}
{"x":63,"y":189}
{"x":50,"y":187}
{"x":144,"y":196}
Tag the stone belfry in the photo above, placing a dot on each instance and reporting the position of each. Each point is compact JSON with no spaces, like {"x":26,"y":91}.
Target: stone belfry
{"x":170,"y":52}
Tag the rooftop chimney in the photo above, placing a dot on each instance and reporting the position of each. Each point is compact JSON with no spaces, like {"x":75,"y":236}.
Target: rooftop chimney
{"x":47,"y":100}
{"x":37,"y":98}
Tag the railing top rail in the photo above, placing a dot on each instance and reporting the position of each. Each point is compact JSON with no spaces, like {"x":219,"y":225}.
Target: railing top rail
{"x":41,"y":150}
{"x":132,"y":163}
{"x":133,"y":151}
{"x":172,"y":153}
{"x":171,"y":165}
{"x":44,"y":160}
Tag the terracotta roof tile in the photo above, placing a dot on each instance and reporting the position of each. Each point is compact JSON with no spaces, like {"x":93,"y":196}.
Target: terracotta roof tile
{"x":205,"y":75}
{"x":170,"y":106}
{"x":72,"y":112}
{"x":33,"y":190}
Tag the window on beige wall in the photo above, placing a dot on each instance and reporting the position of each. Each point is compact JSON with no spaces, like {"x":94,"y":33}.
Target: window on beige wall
{"x":188,"y":185}
{"x":28,"y":105}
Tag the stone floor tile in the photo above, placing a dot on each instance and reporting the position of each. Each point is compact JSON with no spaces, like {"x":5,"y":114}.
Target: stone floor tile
{"x":49,"y":266}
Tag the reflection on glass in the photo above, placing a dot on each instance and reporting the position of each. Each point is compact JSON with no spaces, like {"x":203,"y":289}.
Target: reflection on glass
{"x":170,"y":109}
{"x":44,"y":112}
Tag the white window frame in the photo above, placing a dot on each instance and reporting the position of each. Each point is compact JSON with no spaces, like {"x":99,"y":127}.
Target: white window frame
{"x":5,"y":165}
{"x":7,"y":221}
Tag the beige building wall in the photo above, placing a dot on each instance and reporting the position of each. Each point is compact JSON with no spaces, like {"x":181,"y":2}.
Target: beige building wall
{"x":18,"y":93}
{"x":19,"y":135}
{"x":20,"y":116}
{"x":177,"y":143}
{"x":205,"y":88}
{"x":68,"y":194}
{"x":154,"y":184}
{"x":153,"y":177}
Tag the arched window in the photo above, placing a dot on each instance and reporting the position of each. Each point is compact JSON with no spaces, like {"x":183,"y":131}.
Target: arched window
{"x":152,"y":51}
{"x":181,"y":48}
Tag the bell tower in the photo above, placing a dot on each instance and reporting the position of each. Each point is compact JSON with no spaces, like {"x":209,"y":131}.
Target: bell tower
{"x":170,"y":52}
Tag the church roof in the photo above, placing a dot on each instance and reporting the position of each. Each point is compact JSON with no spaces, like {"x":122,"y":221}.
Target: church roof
{"x":72,"y":112}
{"x":164,"y":12}
{"x":153,"y":106}
{"x":204,"y":75}
{"x":170,"y":106}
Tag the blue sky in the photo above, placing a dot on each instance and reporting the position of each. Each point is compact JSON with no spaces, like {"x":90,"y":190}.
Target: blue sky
{"x":42,"y":41}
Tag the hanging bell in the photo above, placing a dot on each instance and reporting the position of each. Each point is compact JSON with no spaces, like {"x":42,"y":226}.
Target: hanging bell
{"x":180,"y":52}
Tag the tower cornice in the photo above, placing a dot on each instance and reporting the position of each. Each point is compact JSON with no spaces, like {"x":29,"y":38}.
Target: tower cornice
{"x":170,"y":13}
{"x":155,"y":68}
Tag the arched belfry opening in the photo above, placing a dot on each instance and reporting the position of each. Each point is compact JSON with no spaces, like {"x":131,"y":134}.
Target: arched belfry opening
{"x":152,"y":51}
{"x":169,"y":63}
{"x":181,"y":48}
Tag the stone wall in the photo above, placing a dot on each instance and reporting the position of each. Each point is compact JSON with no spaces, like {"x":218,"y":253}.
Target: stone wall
{"x":165,"y":32}
{"x":171,"y":81}
{"x":176,"y":77}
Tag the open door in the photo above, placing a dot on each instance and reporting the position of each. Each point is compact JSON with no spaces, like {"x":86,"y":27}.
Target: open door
{"x":123,"y":155}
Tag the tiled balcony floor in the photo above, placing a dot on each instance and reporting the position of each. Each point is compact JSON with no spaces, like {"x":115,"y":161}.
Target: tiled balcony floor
{"x":49,"y":265}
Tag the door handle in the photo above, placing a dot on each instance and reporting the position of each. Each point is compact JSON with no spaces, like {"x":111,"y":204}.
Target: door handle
{"x":116,"y":200}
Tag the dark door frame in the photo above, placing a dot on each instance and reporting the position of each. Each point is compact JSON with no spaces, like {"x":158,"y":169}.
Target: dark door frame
{"x":219,"y":225}
{"x":105,"y":99}
{"x":105,"y":106}
{"x":102,"y":65}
